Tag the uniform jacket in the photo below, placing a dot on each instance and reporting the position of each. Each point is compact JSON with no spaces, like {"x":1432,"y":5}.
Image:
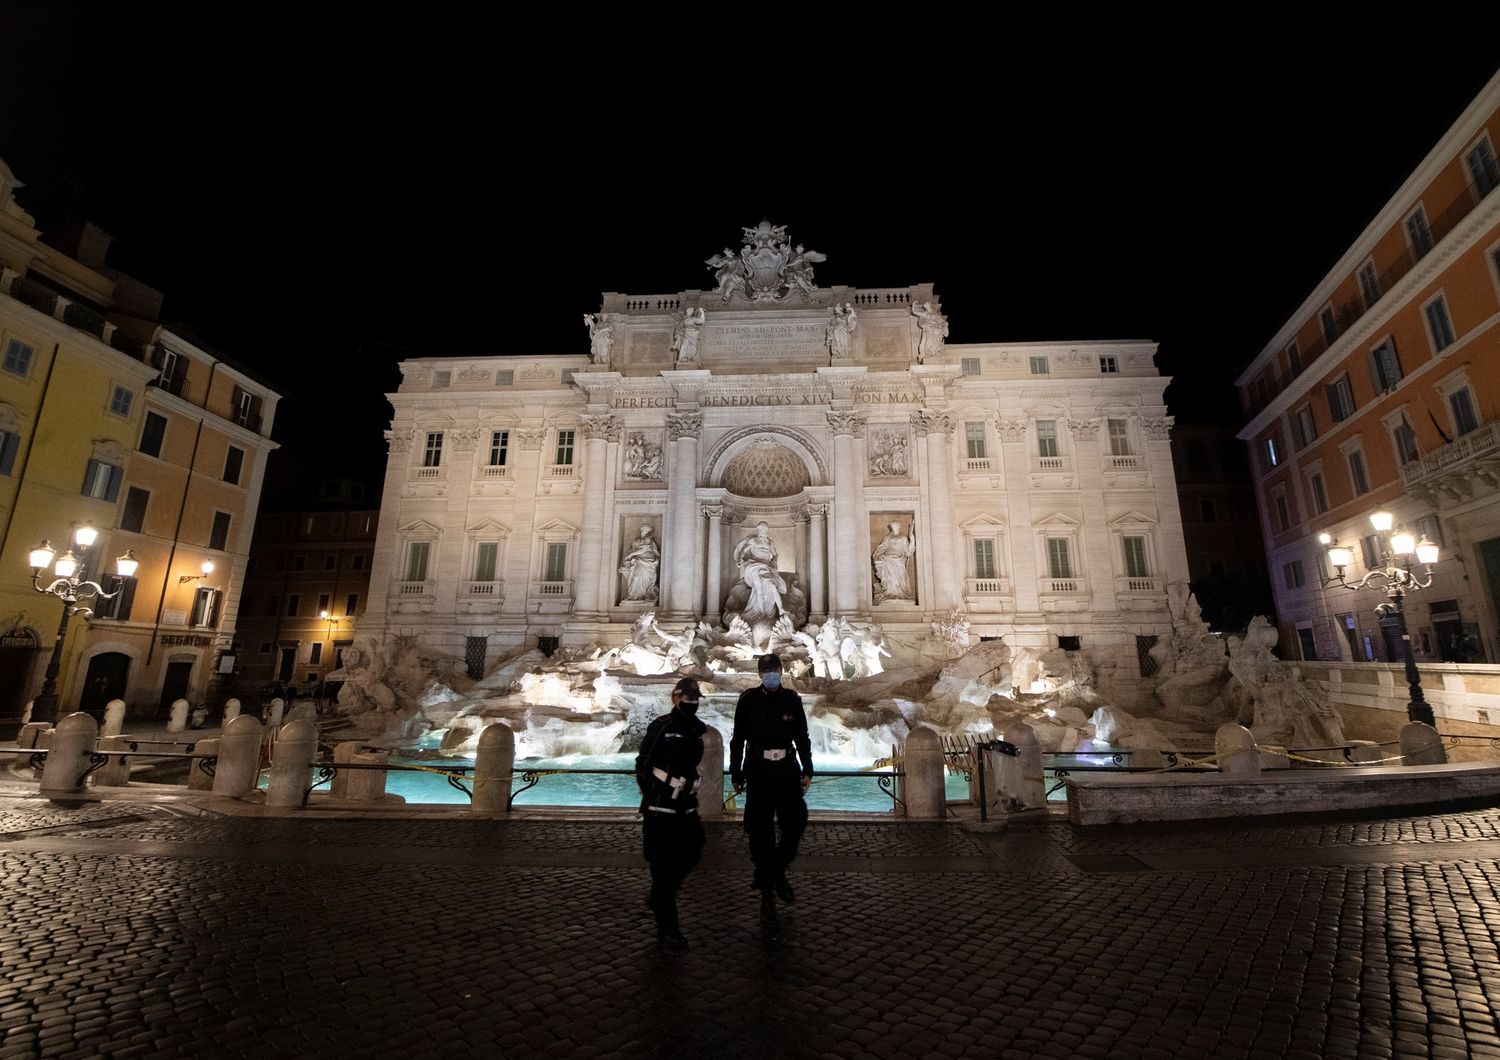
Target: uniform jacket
{"x":768,"y":721}
{"x":673,"y":744}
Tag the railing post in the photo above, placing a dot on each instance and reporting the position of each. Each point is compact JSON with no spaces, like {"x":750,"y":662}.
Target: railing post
{"x":116,"y":772}
{"x":292,"y":767}
{"x":711,"y":776}
{"x":178,"y":720}
{"x":238,"y":767}
{"x":1421,"y":745}
{"x":278,"y":708}
{"x":114,"y":718}
{"x":197,"y":779}
{"x":1020,"y":778}
{"x":925,"y":793}
{"x":231,"y":710}
{"x":1234,"y":745}
{"x":494,"y":765}
{"x":73,"y":741}
{"x":359,"y":785}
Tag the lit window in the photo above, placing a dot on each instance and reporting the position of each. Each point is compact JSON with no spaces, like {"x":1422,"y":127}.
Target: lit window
{"x":120,"y":401}
{"x":1108,"y":364}
{"x":1272,"y":455}
{"x":17,"y":358}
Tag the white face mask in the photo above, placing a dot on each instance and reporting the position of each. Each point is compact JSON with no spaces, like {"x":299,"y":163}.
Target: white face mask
{"x":771,"y":679}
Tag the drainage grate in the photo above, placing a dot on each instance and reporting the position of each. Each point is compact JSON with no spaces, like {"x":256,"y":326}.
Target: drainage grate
{"x":1109,"y":863}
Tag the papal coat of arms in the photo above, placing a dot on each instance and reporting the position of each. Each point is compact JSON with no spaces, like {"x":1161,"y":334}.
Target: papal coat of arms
{"x":767,"y":268}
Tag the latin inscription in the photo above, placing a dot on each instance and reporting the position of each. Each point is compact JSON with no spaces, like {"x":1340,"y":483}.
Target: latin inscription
{"x":764,"y":342}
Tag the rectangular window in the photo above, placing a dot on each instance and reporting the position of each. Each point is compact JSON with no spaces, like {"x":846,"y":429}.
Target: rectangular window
{"x":17,"y":358}
{"x":1482,"y":168}
{"x":1108,"y":364}
{"x":1292,"y":574}
{"x":1304,"y":426}
{"x":974,"y":439}
{"x":1418,"y":233}
{"x":1046,"y":437}
{"x":969,"y":365}
{"x":10,"y":441}
{"x":1039,"y":366}
{"x":351,"y":605}
{"x":499,"y":448}
{"x":1385,"y":366}
{"x":1357,"y":473}
{"x":441,"y":379}
{"x":1406,"y":443}
{"x":416,"y":561}
{"x":505,"y":377}
{"x":120,"y":401}
{"x":1340,"y":399}
{"x":101,"y":481}
{"x":1319,"y":492}
{"x":134,"y":515}
{"x":557,"y":562}
{"x":330,"y":562}
{"x":564,"y":448}
{"x":1439,"y":324}
{"x":234,"y":460}
{"x":432,"y":452}
{"x":1330,"y":325}
{"x":1431,"y":527}
{"x":1058,"y":565}
{"x":1465,"y":419}
{"x":323,"y":601}
{"x":984,"y":558}
{"x":1270,"y":455}
{"x":1135,"y":558}
{"x":1119,"y":437}
{"x":485,"y":554}
{"x":218,"y":538}
{"x":1370,"y":547}
{"x":1209,"y":510}
{"x":205,"y":608}
{"x":1369,"y":284}
{"x":1294,"y":358}
{"x":299,"y":563}
{"x":152,"y":433}
{"x":358,"y":563}
{"x":315,"y":655}
{"x":1283,"y":513}
{"x":117,"y":607}
{"x":273,"y":605}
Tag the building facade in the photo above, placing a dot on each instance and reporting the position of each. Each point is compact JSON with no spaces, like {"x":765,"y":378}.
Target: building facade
{"x":109,"y":418}
{"x":1382,"y":391}
{"x":830,"y":435}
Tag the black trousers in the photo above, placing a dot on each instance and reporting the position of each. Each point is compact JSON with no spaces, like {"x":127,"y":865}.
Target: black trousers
{"x":673,"y":844}
{"x":772,"y":798}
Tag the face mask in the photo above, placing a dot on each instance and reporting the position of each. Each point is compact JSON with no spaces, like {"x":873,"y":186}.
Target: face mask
{"x":688,"y":706}
{"x":771,"y":680}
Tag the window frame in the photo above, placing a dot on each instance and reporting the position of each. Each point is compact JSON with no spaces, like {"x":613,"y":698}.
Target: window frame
{"x":13,"y":348}
{"x":1439,"y":301}
{"x":1109,"y":364}
{"x":239,"y":465}
{"x":432,"y":449}
{"x":1419,"y":214}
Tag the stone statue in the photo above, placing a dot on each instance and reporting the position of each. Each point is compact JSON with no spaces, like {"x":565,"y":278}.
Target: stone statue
{"x":798,"y":272}
{"x":952,"y":630}
{"x":934,"y":331}
{"x":642,"y":459}
{"x":685,"y":336}
{"x":729,"y":273}
{"x":601,"y":337}
{"x":888,"y":455}
{"x":640,"y":566}
{"x":757,"y":556}
{"x":840,"y":329}
{"x":766,"y":269}
{"x":1286,"y":710}
{"x":892,"y":559}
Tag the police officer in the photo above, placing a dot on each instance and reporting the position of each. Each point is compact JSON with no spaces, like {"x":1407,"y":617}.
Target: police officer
{"x":666,"y":770}
{"x":769,"y":740}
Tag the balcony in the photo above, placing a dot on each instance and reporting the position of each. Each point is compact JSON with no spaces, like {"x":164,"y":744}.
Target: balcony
{"x":1050,"y":463}
{"x":427,"y":474}
{"x":482,"y":597}
{"x":1128,"y":586}
{"x":483,"y":588}
{"x":494,"y":471}
{"x":1062,"y":585}
{"x":553,"y":592}
{"x":413,"y":588}
{"x":562,"y":471}
{"x":979,"y":587}
{"x":1452,"y":467}
{"x":412,"y":597}
{"x":979,"y":465}
{"x":1121,"y":463}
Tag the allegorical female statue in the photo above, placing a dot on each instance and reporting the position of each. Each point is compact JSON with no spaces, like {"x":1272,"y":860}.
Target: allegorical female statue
{"x":756,"y":556}
{"x":892,"y":558}
{"x":640,"y":566}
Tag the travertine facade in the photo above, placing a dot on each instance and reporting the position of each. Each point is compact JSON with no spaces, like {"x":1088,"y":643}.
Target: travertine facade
{"x":1027,"y":485}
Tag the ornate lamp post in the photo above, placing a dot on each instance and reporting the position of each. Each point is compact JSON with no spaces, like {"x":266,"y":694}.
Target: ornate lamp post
{"x":70,"y":587}
{"x":1398,"y":551}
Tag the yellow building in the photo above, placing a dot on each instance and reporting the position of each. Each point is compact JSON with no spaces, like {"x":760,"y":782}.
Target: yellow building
{"x":110,"y":419}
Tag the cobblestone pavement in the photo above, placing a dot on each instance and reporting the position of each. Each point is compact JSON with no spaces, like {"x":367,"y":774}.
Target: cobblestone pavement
{"x":137,"y":931}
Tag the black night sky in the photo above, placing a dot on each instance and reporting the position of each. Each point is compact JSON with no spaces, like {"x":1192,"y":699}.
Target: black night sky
{"x":320,"y":201}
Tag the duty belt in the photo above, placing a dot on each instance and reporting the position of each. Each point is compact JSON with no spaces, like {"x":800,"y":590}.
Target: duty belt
{"x":675,"y":783}
{"x":774,"y":756}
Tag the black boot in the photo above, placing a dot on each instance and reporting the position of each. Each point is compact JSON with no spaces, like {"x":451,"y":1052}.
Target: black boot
{"x":783,"y":889}
{"x":767,"y":909}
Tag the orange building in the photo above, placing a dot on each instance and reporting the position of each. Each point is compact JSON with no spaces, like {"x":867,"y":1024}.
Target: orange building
{"x":1383,"y":391}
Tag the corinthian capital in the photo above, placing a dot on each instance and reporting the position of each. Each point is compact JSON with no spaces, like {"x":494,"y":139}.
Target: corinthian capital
{"x":684,"y":425}
{"x":1157,"y":428}
{"x":850,"y":423}
{"x":399,"y":441}
{"x":1083,"y":430}
{"x":932,"y":421}
{"x":1012,"y":430}
{"x":600,"y":426}
{"x":530,"y":437}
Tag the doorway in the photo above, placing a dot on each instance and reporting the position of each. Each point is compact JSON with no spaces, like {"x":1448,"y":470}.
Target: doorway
{"x":19,"y":652}
{"x":284,"y":666}
{"x":175,"y":685}
{"x":105,"y":680}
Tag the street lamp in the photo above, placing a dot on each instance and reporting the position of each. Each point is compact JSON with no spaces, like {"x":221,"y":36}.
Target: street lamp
{"x":1400,"y":551}
{"x":70,"y":587}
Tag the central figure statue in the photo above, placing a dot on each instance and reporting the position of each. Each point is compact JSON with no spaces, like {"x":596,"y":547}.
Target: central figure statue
{"x":756,"y":557}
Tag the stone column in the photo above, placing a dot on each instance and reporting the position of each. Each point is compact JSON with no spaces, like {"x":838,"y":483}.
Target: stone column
{"x":1171,"y":552}
{"x":1096,"y":560}
{"x":1020,"y":539}
{"x":848,"y":482}
{"x":714,"y":600}
{"x":523,"y":565}
{"x":817,"y":578}
{"x":937,"y":427}
{"x":596,"y":431}
{"x":680,"y":567}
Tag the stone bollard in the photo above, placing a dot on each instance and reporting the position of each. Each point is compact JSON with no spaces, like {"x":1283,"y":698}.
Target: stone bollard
{"x":359,"y":785}
{"x":73,"y":742}
{"x":116,"y":772}
{"x":1019,"y":780}
{"x":922,"y":787}
{"x":493,"y":768}
{"x":198,"y":780}
{"x":231,"y":710}
{"x":238,"y":767}
{"x":26,"y":713}
{"x":1421,"y":745}
{"x":292,"y":766}
{"x":178,"y":720}
{"x":1235,"y":747}
{"x":30,"y":735}
{"x":278,"y":708}
{"x":1362,"y":752}
{"x":114,"y":718}
{"x":711,"y":776}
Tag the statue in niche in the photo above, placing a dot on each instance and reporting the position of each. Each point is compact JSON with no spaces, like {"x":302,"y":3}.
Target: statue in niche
{"x":840,"y":331}
{"x":601,"y":337}
{"x":888,"y":455}
{"x":757,"y":556}
{"x":640,"y":567}
{"x":642,"y":459}
{"x":934,"y":330}
{"x":685,"y":336}
{"x":892,"y":559}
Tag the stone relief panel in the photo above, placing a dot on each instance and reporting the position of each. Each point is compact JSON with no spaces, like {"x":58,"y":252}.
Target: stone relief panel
{"x":893,"y":557}
{"x":638,"y":573}
{"x":890,"y":452}
{"x":650,"y":348}
{"x":887,"y":344}
{"x":642,"y":460}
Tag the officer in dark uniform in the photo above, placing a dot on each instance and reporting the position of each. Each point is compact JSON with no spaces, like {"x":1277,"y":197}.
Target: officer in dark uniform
{"x":770,"y":738}
{"x":666,"y":771}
